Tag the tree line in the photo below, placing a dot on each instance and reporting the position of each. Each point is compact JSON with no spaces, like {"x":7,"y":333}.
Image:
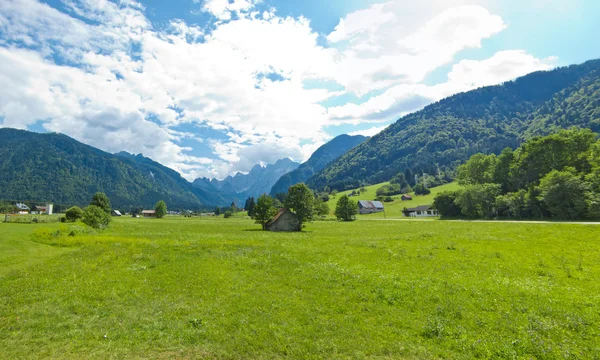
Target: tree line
{"x":555,"y":176}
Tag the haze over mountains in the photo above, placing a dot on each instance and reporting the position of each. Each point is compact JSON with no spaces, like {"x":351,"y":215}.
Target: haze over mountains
{"x":55,"y":167}
{"x":241,"y":186}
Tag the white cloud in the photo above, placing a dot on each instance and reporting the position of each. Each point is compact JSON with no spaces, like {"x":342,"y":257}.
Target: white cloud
{"x":503,"y":66}
{"x":400,"y":43}
{"x":402,"y":99}
{"x":369,"y":132}
{"x":118,"y":83}
{"x":223,"y":9}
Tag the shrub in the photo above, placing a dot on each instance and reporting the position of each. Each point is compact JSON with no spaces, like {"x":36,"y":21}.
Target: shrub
{"x":101,"y":200}
{"x":445,"y":204}
{"x":421,"y":189}
{"x":95,"y":217}
{"x":228,"y":214}
{"x":161,"y":209}
{"x":73,"y":214}
{"x":389,"y":190}
{"x":345,"y":209}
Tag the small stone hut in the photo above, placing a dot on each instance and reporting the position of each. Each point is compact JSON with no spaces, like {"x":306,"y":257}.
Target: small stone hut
{"x":284,"y":220}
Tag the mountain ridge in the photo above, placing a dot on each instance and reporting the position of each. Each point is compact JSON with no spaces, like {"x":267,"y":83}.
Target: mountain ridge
{"x":485,"y":120}
{"x":318,"y":160}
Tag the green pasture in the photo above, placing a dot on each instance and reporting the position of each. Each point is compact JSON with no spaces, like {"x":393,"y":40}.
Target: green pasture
{"x":392,"y":209}
{"x":222,"y":289}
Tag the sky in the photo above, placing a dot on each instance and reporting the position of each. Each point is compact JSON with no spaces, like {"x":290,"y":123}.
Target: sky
{"x":213,"y":87}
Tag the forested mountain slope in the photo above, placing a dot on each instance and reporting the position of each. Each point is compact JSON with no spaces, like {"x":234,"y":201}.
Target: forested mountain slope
{"x":484,"y":120}
{"x":319,"y":159}
{"x":57,"y":168}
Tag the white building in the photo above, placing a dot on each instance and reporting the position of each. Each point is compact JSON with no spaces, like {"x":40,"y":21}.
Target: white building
{"x":422,"y":211}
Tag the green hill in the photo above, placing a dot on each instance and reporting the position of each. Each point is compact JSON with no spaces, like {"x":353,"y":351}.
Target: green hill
{"x":392,"y":209}
{"x":485,"y":120}
{"x":57,"y":168}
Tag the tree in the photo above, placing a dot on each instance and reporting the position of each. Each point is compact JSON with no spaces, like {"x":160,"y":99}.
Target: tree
{"x":101,"y":200}
{"x":479,"y":169}
{"x":445,"y":204}
{"x":161,"y":209}
{"x":95,"y":217}
{"x":321,"y":207}
{"x":73,"y":214}
{"x":513,"y":205}
{"x":300,"y":199}
{"x":264,"y":210}
{"x":345,"y":210}
{"x":564,"y":194}
{"x":502,"y":171}
{"x":228,"y":214}
{"x":233,"y":207}
{"x":421,"y":189}
{"x":478,"y":201}
{"x":539,"y":156}
{"x":217,"y":211}
{"x":334,"y":194}
{"x":399,"y":179}
{"x":249,"y":206}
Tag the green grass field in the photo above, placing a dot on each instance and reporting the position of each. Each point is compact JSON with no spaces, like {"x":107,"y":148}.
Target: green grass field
{"x":393,"y":210}
{"x":220,"y":288}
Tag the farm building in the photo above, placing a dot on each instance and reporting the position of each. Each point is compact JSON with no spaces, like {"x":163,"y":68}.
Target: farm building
{"x":369,"y":207}
{"x":422,"y":211}
{"x":22,"y":208}
{"x":149,"y":213}
{"x":44,"y":209}
{"x":116,"y":213}
{"x":406,"y":197}
{"x":284,"y":220}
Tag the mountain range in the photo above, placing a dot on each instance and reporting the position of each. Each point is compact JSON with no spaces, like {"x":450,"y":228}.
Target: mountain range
{"x":54,"y":167}
{"x":317,"y":162}
{"x":258,"y":181}
{"x":485,"y":120}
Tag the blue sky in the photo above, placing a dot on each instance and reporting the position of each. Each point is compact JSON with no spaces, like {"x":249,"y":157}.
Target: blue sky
{"x":213,"y":87}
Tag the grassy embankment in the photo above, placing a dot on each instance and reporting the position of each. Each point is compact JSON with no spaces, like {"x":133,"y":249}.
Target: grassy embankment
{"x":217,"y":288}
{"x":392,"y":209}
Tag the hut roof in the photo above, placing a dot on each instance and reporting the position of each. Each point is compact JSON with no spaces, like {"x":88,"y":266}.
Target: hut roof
{"x":366,"y":204}
{"x":420,"y":208}
{"x":278,"y":215}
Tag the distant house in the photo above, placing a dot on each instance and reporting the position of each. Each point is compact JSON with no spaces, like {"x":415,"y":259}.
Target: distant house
{"x":149,"y":213}
{"x":46,"y":209}
{"x":22,"y":208}
{"x":116,"y":213}
{"x":422,"y":211}
{"x":406,"y":197}
{"x":369,"y":207}
{"x":284,"y":220}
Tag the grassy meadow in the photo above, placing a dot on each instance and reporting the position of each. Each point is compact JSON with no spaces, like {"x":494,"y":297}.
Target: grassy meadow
{"x":393,"y":210}
{"x":220,"y":288}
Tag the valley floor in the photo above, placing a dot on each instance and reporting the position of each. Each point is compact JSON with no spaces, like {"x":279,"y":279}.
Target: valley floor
{"x":221,"y":288}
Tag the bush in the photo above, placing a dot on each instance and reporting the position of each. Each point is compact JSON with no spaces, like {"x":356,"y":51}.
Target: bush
{"x":421,"y":189}
{"x":346,"y":209}
{"x":445,"y":204}
{"x":389,"y":190}
{"x":101,"y":200}
{"x":228,"y":214}
{"x":73,"y":214}
{"x":161,"y":209}
{"x":95,"y":217}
